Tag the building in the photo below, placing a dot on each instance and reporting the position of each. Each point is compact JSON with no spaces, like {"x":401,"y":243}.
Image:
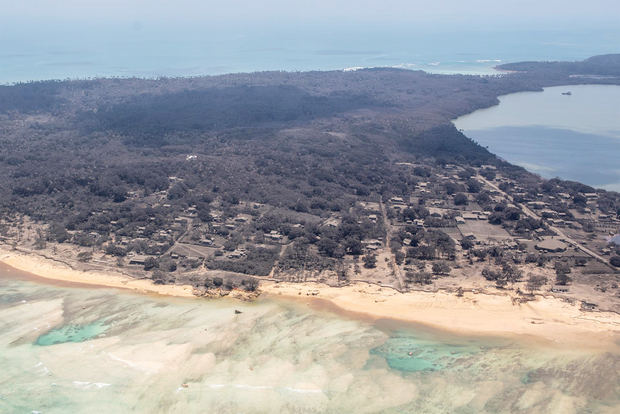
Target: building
{"x":551,"y":245}
{"x":138,"y":259}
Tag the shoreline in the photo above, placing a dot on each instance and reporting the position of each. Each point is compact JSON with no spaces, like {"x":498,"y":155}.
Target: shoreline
{"x":44,"y":269}
{"x":547,"y":318}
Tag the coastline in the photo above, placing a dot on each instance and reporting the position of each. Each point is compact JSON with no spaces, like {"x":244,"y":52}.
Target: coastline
{"x":546,"y":318}
{"x":39,"y":267}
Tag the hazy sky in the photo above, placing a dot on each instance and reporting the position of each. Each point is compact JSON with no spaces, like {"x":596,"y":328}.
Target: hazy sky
{"x":380,"y":11}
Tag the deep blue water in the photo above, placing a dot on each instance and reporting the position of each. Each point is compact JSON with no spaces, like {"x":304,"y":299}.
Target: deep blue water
{"x":44,"y":50}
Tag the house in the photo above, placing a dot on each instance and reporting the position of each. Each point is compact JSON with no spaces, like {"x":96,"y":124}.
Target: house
{"x":274,"y":235}
{"x":235,"y":255}
{"x":551,"y":245}
{"x":470,"y":216}
{"x":138,"y":259}
{"x":537,"y":205}
{"x":206,"y":242}
{"x":332,"y":222}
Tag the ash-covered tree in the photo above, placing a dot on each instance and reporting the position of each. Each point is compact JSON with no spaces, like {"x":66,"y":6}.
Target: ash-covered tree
{"x":370,"y":261}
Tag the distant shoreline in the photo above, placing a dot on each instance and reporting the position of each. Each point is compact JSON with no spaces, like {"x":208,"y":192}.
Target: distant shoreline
{"x":546,"y":319}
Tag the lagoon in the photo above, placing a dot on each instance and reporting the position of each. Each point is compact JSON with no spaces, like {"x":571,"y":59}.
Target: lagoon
{"x":574,"y":137}
{"x":69,"y":349}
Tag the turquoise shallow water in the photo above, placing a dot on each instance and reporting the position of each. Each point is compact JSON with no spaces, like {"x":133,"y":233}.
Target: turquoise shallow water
{"x":71,"y":333}
{"x":96,"y":350}
{"x":407,"y":351}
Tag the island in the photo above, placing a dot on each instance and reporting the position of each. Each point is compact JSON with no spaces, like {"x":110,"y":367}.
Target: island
{"x":307,"y":184}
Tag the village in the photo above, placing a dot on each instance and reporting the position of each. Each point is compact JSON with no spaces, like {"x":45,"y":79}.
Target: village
{"x":459,"y":229}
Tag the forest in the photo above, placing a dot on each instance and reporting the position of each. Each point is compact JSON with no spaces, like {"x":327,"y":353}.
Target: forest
{"x":97,"y":161}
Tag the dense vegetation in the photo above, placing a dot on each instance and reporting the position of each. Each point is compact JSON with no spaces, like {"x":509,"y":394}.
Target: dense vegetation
{"x":102,"y":160}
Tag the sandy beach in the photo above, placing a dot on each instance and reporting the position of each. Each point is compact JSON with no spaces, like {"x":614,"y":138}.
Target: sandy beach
{"x":56,"y":271}
{"x":547,"y":318}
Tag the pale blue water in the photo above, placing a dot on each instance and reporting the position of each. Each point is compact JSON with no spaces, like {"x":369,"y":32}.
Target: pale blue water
{"x":57,"y":50}
{"x":77,"y":350}
{"x":573,"y":137}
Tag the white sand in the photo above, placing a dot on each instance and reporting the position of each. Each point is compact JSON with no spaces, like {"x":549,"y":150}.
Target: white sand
{"x":548,"y":318}
{"x":57,"y":271}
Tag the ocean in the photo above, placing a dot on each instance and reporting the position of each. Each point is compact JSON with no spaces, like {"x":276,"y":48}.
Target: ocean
{"x":72,"y":349}
{"x":36,"y":50}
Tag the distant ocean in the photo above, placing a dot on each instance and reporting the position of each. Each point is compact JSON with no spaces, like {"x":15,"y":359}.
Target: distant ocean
{"x":43,"y":50}
{"x":38,"y":50}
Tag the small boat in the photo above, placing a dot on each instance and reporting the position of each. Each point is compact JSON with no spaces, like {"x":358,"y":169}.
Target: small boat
{"x":569,"y":93}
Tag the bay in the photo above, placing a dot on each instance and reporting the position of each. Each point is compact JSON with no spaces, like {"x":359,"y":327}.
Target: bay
{"x":574,"y":137}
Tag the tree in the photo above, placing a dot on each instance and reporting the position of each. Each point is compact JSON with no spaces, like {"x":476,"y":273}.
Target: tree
{"x":150,"y":263}
{"x":473,"y":185}
{"x":496,"y":218}
{"x":399,"y":257}
{"x":327,"y":246}
{"x":460,"y":199}
{"x":535,"y":282}
{"x":84,"y":256}
{"x":467,"y":244}
{"x":40,"y":241}
{"x":561,"y":276}
{"x":56,"y":232}
{"x":615,"y":261}
{"x":561,"y":267}
{"x":353,"y":246}
{"x":490,"y":274}
{"x":511,"y":273}
{"x":159,"y":277}
{"x":250,"y":284}
{"x":421,"y":278}
{"x":441,"y":268}
{"x":370,"y":261}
